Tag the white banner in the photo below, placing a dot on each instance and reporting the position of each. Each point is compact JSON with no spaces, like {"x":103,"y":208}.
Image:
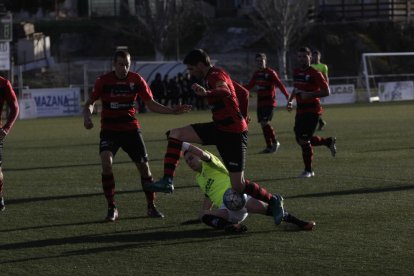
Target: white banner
{"x":340,"y":94}
{"x":396,"y":91}
{"x":27,"y":109}
{"x":4,"y":56}
{"x":55,"y":101}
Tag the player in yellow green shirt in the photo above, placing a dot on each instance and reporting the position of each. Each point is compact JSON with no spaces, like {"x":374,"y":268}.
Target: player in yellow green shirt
{"x":323,"y":68}
{"x":213,"y":179}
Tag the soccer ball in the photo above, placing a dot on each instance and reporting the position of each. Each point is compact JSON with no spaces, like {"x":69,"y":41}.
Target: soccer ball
{"x":233,"y":200}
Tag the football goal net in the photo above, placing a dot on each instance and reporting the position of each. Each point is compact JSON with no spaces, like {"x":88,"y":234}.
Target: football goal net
{"x":388,"y":76}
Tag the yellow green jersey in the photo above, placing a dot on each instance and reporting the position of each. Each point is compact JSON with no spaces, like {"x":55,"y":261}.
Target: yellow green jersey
{"x":213,"y":179}
{"x":323,"y":68}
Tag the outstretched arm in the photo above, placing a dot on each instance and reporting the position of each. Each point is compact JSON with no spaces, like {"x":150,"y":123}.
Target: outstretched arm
{"x":159,"y":108}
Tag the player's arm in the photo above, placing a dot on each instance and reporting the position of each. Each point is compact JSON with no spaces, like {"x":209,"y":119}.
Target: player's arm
{"x":221,"y":90}
{"x":207,"y":205}
{"x":13,"y":110}
{"x":280,"y":85}
{"x":289,"y":106}
{"x":87,"y":113}
{"x":205,"y":156}
{"x":251,"y":83}
{"x":242,"y":95}
{"x":155,"y":106}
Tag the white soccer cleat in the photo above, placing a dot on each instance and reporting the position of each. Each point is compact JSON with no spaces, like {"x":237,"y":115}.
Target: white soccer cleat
{"x":332,"y":146}
{"x":306,"y":174}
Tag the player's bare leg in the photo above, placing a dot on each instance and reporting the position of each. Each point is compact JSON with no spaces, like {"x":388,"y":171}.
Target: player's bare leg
{"x":176,"y":137}
{"x":147,"y":179}
{"x":108,"y":185}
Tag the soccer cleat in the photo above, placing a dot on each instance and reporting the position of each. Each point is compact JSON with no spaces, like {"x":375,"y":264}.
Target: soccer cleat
{"x":273,"y":148}
{"x":154,"y":213}
{"x":306,"y":174}
{"x":164,"y":185}
{"x":112,"y":214}
{"x":308,"y":226}
{"x":235,"y":228}
{"x":332,"y":146}
{"x":276,"y":205}
{"x":276,"y":146}
{"x":2,"y":205}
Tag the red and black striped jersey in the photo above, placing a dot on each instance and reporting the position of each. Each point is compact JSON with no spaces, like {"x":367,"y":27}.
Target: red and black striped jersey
{"x":308,"y":79}
{"x":224,"y":104}
{"x":266,"y":80}
{"x":118,"y":98}
{"x":8,"y":96}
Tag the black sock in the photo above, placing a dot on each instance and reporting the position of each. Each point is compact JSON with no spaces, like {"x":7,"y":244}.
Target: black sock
{"x":215,"y":222}
{"x":292,"y":219}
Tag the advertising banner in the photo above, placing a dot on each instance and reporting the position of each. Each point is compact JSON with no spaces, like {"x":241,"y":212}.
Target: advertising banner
{"x":396,"y":91}
{"x":52,"y":102}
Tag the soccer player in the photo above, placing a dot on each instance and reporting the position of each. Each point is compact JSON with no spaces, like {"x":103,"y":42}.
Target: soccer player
{"x":7,"y":96}
{"x":118,"y":91}
{"x":213,"y":179}
{"x":323,"y":68}
{"x":309,"y":85}
{"x":228,"y":131}
{"x":266,"y":79}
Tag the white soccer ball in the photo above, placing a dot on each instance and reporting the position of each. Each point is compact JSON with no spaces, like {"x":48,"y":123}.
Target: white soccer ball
{"x":233,"y":200}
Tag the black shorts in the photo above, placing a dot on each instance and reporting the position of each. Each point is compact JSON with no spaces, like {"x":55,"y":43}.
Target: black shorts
{"x":130,"y":141}
{"x":305,"y":126}
{"x":264,"y":113}
{"x":231,"y":146}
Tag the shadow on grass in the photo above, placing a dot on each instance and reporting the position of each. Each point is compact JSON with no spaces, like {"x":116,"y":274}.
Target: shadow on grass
{"x":130,"y":241}
{"x":69,"y":224}
{"x":356,"y":191}
{"x":68,"y":166}
{"x":64,"y":197}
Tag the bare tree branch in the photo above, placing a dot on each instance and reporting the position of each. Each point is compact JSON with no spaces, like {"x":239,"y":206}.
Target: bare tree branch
{"x":282,"y":22}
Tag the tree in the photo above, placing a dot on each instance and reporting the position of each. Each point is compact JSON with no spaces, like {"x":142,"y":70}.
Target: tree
{"x":282,"y":22}
{"x":166,"y":22}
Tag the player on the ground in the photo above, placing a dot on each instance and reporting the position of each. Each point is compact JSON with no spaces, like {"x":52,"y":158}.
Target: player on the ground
{"x":323,"y":68}
{"x":228,"y":131}
{"x":213,"y":179}
{"x":267,"y":80}
{"x":118,"y":91}
{"x":7,"y":96}
{"x":309,"y":85}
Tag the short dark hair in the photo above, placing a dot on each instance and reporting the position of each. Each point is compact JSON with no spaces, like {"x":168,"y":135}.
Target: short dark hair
{"x":261,"y":55}
{"x":195,"y":56}
{"x":316,"y":52}
{"x":305,"y":50}
{"x":122,"y":54}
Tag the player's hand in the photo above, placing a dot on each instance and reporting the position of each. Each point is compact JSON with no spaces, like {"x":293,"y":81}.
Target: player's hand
{"x":87,"y":122}
{"x":199,"y":90}
{"x":3,"y":134}
{"x":182,"y":108}
{"x":289,"y":106}
{"x":248,"y":119}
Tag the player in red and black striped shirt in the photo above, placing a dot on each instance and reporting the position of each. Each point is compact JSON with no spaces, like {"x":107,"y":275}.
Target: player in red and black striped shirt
{"x":119,"y":91}
{"x":266,"y":80}
{"x":309,"y":85}
{"x":7,"y":96}
{"x":228,"y":131}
